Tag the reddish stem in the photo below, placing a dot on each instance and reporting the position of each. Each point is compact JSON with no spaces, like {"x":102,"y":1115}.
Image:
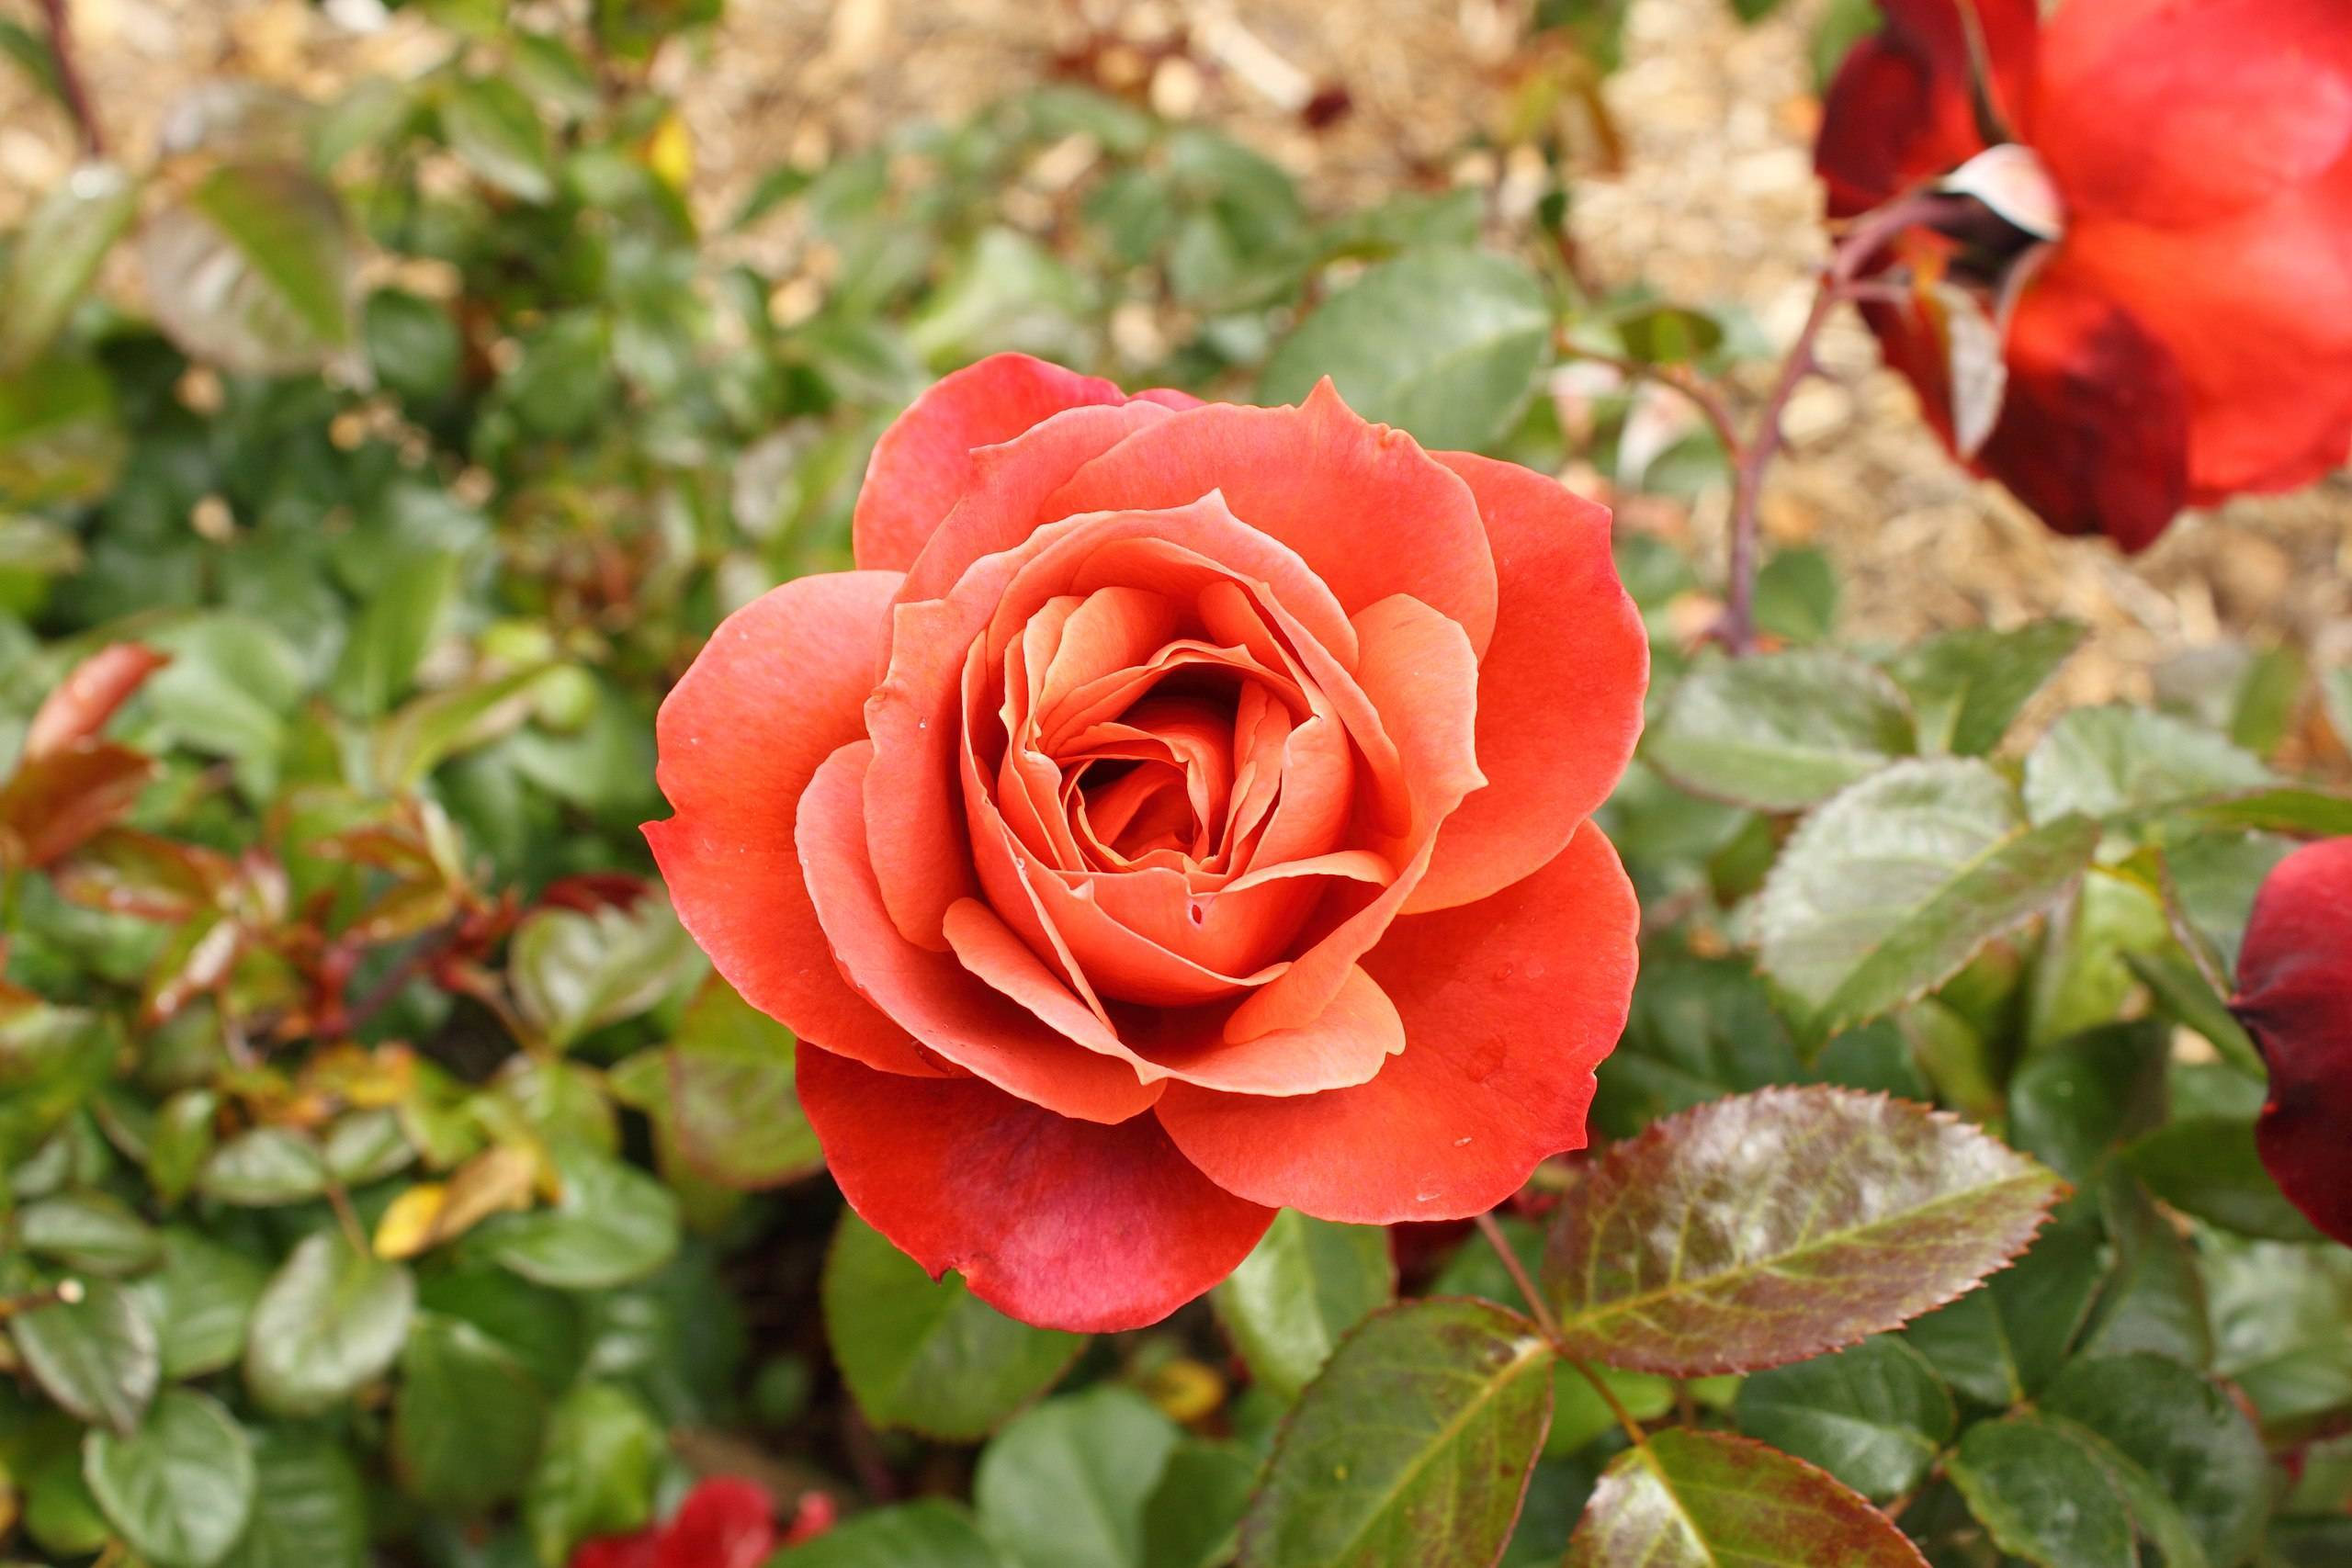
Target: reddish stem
{"x":69,"y":77}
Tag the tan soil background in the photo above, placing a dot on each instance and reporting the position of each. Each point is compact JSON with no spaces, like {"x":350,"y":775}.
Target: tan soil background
{"x":1714,"y":202}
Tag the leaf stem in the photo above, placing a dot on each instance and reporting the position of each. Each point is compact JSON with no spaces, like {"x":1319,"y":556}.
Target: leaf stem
{"x":2191,"y":940}
{"x":69,"y":77}
{"x":1493,"y":1231}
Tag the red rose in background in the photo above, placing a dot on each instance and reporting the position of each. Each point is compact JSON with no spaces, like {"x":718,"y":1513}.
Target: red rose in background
{"x":2295,"y":998}
{"x":724,"y":1523}
{"x":2188,"y":335}
{"x":1182,"y":813}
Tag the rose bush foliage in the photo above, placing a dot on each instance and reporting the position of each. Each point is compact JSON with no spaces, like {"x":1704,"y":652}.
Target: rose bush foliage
{"x":2168,"y":266}
{"x":1183,"y":813}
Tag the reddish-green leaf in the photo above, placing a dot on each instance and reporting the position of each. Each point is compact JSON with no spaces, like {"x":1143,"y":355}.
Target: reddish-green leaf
{"x":58,"y":800}
{"x":1414,"y":1446}
{"x":1688,"y":1499}
{"x":1764,"y":1229}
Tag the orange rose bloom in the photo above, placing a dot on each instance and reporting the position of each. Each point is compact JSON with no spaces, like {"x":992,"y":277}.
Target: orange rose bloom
{"x":1180,"y":813}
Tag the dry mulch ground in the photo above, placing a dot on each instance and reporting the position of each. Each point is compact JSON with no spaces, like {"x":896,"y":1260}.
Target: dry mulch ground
{"x":1713,"y":201}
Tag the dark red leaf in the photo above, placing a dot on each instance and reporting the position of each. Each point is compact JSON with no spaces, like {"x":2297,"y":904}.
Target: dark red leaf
{"x":83,"y":702}
{"x":58,"y":801}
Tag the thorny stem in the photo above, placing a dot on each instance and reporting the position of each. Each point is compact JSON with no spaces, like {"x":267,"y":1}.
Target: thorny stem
{"x":69,"y":77}
{"x":1493,"y":1232}
{"x":1855,"y":250}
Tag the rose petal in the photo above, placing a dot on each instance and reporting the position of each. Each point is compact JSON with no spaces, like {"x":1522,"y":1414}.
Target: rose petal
{"x":1002,"y":505}
{"x":931,"y":994}
{"x":779,"y":687}
{"x":1062,"y":1224}
{"x":1361,"y":505}
{"x":2295,"y":997}
{"x":1509,"y":1005}
{"x":923,"y":464}
{"x":1418,"y":676}
{"x":1559,"y":690}
{"x":2183,"y":113}
{"x":724,"y":1523}
{"x":1900,"y":111}
{"x":1347,"y":1044}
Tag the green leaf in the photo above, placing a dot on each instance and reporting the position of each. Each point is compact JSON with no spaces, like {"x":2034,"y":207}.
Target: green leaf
{"x":926,"y":1534}
{"x":1444,"y":344}
{"x":1779,"y":731}
{"x":2043,"y":1495}
{"x":1194,"y":1520}
{"x":1796,"y":596}
{"x":393,"y":632}
{"x":929,"y":1356}
{"x":263,"y":1167}
{"x":94,"y":1232}
{"x":254,"y":271}
{"x":309,"y":1507}
{"x":2154,"y":1299}
{"x":597,"y":1472}
{"x":1298,"y":1292}
{"x":1999,"y":1345}
{"x":57,"y":253}
{"x":1762,"y":1230}
{"x":614,"y":1224}
{"x":181,"y":1488}
{"x":182,"y":1140}
{"x":1064,"y":1485}
{"x":2188,"y":1462}
{"x":467,"y":1421}
{"x":540,"y":1328}
{"x":573,"y":973}
{"x":1874,"y":1416}
{"x":2117,"y":762}
{"x":414,"y":344}
{"x":2209,"y":1167}
{"x":733,"y":1108}
{"x":2278,"y":1315}
{"x":427,"y":730}
{"x":1413,"y":1446}
{"x":332,"y":1320}
{"x":491,"y":125}
{"x":1688,"y":1499}
{"x":1968,"y":686}
{"x":1891,"y":889}
{"x":61,"y":438}
{"x":2073,"y":1103}
{"x":95,"y":1357}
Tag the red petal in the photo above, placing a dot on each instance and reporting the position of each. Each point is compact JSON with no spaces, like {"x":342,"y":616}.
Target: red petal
{"x":2257,"y":312}
{"x":923,"y":464}
{"x":2295,"y":996}
{"x":2179,"y":113}
{"x":931,"y":994}
{"x":2093,"y":434}
{"x":617,"y":1551}
{"x":724,"y":1523}
{"x":1509,"y":1005}
{"x":1365,"y":507}
{"x":1559,"y":690}
{"x":1900,"y":111}
{"x":1348,"y":1043}
{"x":1065,"y":1224}
{"x":779,"y":687}
{"x":87,"y":697}
{"x":1004,"y":502}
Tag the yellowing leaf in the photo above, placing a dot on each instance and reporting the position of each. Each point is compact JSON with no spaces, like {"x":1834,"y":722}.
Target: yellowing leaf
{"x":408,"y":1226}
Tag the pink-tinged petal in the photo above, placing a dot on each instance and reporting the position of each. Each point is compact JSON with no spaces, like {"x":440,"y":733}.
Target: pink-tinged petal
{"x":993,"y":951}
{"x":2180,"y":113}
{"x":2295,"y":997}
{"x":931,"y":994}
{"x":1901,"y":110}
{"x":1361,"y":505}
{"x":1062,"y":1224}
{"x":1350,"y":1041}
{"x":1509,"y":1005}
{"x":1004,"y":504}
{"x":780,"y":687}
{"x":2256,"y":311}
{"x":1559,"y":690}
{"x":922,"y":464}
{"x":1420,"y":678}
{"x":724,"y":1523}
